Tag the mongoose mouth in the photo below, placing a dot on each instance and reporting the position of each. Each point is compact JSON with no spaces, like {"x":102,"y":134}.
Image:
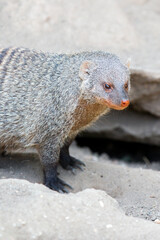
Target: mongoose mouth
{"x":109,"y":104}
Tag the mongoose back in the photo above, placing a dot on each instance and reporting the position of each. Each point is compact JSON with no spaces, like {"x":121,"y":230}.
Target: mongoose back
{"x":47,"y":99}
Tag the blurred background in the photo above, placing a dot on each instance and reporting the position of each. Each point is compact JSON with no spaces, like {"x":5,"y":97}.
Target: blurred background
{"x":128,"y":28}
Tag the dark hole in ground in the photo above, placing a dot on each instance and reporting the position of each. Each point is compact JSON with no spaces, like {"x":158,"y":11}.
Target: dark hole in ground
{"x":126,"y":151}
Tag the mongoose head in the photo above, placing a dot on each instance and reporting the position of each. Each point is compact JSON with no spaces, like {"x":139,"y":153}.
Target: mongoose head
{"x":106,"y":80}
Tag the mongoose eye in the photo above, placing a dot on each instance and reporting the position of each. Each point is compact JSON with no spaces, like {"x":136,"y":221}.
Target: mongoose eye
{"x":126,"y":86}
{"x":107,"y":86}
{"x":87,"y":71}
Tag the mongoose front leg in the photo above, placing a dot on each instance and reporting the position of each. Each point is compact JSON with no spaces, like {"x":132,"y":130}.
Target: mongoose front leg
{"x":68,"y":162}
{"x":49,"y":157}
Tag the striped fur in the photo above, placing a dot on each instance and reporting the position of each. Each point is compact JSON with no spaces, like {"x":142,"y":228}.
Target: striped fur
{"x":44,"y":102}
{"x":35,"y":85}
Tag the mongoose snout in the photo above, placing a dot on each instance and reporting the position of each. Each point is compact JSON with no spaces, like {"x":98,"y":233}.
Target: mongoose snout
{"x":125,"y":103}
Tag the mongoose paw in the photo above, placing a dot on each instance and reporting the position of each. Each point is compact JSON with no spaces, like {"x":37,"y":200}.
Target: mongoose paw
{"x":71,"y":163}
{"x":57,"y":184}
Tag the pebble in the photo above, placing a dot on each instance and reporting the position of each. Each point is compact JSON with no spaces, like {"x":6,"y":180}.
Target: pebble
{"x":109,"y":226}
{"x":157,"y":221}
{"x":101,"y":204}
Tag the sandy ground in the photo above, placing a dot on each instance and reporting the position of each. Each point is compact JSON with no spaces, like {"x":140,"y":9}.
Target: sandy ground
{"x":32,"y":211}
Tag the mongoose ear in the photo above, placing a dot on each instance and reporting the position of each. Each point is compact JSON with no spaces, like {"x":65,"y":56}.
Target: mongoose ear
{"x":86,"y":68}
{"x":128,"y":63}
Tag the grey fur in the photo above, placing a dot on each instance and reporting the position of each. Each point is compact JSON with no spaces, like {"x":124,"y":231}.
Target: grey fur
{"x":39,"y":93}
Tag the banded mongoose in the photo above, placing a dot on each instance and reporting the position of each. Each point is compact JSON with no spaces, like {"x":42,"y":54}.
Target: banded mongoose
{"x":47,"y":99}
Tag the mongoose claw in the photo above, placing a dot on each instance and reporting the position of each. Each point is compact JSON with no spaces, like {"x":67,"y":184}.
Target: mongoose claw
{"x":65,"y":184}
{"x":71,"y":163}
{"x":72,"y":169}
{"x":57,"y":185}
{"x":75,"y":163}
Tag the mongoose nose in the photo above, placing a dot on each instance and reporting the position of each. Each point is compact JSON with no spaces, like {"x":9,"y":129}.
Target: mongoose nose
{"x":124,"y":103}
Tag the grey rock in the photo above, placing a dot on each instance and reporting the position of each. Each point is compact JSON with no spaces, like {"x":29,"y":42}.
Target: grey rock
{"x":128,"y":125}
{"x":31,"y":211}
{"x":130,"y":28}
{"x":145,"y":91}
